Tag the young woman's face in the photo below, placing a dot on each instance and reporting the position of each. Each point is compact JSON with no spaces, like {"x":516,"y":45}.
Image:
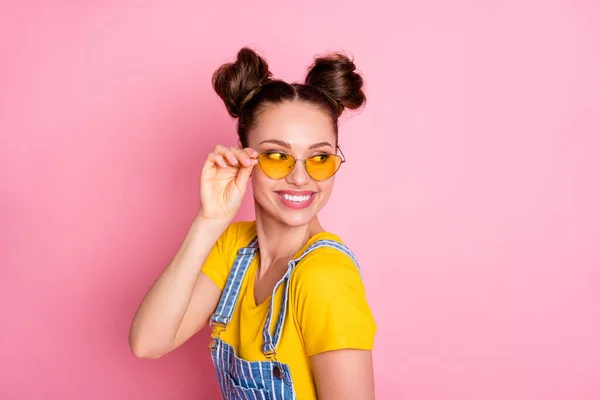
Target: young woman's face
{"x":300,"y":130}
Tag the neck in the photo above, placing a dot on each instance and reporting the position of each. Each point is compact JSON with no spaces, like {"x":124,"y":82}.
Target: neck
{"x":279,"y":241}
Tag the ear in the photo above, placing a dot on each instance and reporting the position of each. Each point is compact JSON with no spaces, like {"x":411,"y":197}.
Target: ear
{"x":239,"y":143}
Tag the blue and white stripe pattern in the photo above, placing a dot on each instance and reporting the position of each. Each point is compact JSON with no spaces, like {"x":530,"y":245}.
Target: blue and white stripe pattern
{"x":245,"y":380}
{"x":256,"y":380}
{"x":230,"y":294}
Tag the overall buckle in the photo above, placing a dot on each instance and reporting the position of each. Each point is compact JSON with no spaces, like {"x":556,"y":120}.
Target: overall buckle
{"x":271,"y":354}
{"x":277,"y":371}
{"x":216,"y":334}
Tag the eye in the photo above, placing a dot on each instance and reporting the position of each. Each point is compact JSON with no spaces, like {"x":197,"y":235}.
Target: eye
{"x":320,"y":158}
{"x":277,"y":156}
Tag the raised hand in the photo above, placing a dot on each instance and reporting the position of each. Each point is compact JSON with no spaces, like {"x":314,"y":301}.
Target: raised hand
{"x":223,"y":181}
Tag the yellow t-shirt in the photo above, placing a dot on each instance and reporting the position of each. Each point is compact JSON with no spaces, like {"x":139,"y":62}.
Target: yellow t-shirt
{"x":327,"y":307}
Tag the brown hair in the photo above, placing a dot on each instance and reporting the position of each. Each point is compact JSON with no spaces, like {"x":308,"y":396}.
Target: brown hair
{"x":246,"y":88}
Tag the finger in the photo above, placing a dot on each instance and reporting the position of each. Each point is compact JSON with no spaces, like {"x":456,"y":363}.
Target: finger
{"x":227,"y":154}
{"x":251,"y":152}
{"x":243,"y":176}
{"x":217,"y":159}
{"x":242,"y":156}
{"x":230,"y":157}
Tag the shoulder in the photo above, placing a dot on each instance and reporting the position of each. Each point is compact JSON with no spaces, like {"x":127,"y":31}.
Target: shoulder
{"x":329,"y":302}
{"x":240,"y":229}
{"x":218,"y":263}
{"x":328,"y":267}
{"x":238,"y":234}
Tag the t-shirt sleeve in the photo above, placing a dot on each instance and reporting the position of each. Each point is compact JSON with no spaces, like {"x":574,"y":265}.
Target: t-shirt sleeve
{"x":216,"y":266}
{"x":331,"y":307}
{"x":220,"y":259}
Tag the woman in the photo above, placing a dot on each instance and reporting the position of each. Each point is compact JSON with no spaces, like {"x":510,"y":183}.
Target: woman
{"x":284,"y":297}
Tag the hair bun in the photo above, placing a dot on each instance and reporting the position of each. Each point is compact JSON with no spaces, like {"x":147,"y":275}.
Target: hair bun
{"x":335,"y":76}
{"x":237,"y":82}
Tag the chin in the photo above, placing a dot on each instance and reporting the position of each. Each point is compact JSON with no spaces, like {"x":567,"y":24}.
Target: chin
{"x":295,"y":218}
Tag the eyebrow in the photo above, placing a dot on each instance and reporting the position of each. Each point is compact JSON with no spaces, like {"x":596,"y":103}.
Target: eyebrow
{"x":287,"y":145}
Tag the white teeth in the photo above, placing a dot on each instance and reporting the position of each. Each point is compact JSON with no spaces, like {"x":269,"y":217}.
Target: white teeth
{"x":298,"y":199}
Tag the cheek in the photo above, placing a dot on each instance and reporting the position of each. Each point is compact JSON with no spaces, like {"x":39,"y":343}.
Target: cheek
{"x":260,"y":182}
{"x":326,"y":187}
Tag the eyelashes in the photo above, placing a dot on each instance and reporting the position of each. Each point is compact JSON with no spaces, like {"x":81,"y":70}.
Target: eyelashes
{"x":283,"y":152}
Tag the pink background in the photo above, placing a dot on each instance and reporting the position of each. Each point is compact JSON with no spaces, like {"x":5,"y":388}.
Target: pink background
{"x":471,"y":195}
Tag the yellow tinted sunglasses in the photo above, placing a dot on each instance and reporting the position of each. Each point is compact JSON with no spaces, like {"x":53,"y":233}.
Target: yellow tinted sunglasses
{"x":320,"y":167}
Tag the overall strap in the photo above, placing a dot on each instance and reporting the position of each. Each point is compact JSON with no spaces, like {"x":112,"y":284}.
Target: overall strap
{"x":270,"y":342}
{"x":229,"y":297}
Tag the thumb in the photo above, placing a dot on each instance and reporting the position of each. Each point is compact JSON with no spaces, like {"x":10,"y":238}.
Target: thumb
{"x":243,"y":177}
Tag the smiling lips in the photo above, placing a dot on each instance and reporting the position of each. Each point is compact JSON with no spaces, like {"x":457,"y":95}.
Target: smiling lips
{"x":296,"y":199}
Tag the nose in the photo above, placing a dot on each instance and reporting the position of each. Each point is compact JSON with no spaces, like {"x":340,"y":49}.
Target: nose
{"x":298,"y":176}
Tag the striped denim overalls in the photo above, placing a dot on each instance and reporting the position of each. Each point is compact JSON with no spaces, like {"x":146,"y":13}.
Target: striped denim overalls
{"x":255,"y":380}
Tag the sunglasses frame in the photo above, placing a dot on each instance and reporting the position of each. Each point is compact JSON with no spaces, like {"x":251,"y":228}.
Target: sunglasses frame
{"x":342,"y":156}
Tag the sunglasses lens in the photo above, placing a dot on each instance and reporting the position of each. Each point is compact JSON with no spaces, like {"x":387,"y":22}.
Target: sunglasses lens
{"x":323,"y":166}
{"x":276,"y":165}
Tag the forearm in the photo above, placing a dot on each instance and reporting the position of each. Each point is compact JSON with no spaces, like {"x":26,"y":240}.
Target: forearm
{"x":160,"y":313}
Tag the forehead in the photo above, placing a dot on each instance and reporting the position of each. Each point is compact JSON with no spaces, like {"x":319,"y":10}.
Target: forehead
{"x":297,"y":123}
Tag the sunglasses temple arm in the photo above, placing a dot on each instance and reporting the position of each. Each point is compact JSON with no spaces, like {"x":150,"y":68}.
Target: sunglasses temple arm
{"x":342,"y":153}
